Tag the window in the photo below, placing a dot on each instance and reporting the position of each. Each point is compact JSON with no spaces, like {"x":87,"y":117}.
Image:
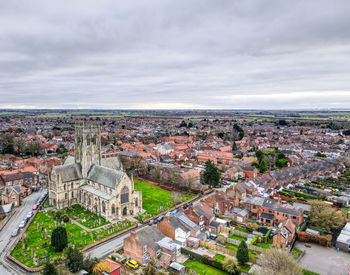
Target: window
{"x":66,"y":196}
{"x":294,"y":217}
{"x":72,"y":195}
{"x":64,"y":187}
{"x":103,"y":207}
{"x":136,"y":202}
{"x":72,"y":185}
{"x":254,"y":206}
{"x":124,"y":197}
{"x":113,"y":209}
{"x":88,"y":140}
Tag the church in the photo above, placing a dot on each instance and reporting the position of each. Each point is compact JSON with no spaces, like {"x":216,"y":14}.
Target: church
{"x":97,"y":184}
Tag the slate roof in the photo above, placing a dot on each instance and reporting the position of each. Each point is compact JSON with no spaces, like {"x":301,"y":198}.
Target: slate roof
{"x":267,"y":216}
{"x":150,"y":236}
{"x":68,"y":172}
{"x":176,"y":223}
{"x":96,"y":191}
{"x":105,"y":176}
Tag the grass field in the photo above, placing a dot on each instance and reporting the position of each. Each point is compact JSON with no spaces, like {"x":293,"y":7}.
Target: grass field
{"x":234,"y":247}
{"x":34,"y":247}
{"x":155,"y":199}
{"x":200,"y":268}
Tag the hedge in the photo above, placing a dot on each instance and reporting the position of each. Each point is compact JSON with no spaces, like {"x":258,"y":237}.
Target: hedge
{"x":265,"y":238}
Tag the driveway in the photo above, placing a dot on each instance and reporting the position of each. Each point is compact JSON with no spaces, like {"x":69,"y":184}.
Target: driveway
{"x":323,"y":260}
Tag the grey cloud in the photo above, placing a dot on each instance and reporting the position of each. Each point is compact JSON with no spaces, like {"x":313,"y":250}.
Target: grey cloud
{"x":175,"y":54}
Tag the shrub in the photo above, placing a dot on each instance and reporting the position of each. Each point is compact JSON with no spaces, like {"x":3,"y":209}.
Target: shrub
{"x":230,"y":266}
{"x":74,"y":260}
{"x":49,"y":269}
{"x":65,"y":218}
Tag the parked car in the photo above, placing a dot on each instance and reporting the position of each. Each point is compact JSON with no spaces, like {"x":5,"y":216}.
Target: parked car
{"x":150,"y":222}
{"x":22,"y":224}
{"x":160,"y":218}
{"x":213,"y":237}
{"x":15,"y":232}
{"x":175,"y":211}
{"x":35,"y":207}
{"x":30,"y":214}
{"x":133,"y":264}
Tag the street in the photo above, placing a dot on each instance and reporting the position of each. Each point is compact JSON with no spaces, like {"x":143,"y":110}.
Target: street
{"x":7,"y":267}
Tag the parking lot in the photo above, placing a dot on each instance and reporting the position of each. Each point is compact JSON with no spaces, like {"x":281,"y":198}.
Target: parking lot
{"x":323,"y":260}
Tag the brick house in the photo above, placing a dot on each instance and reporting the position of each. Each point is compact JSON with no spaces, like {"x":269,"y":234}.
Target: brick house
{"x":173,"y":228}
{"x":285,"y":235}
{"x":12,"y":194}
{"x":110,"y":267}
{"x":267,"y":211}
{"x":150,"y":244}
{"x":250,"y":172}
{"x":202,"y":215}
{"x":220,"y":203}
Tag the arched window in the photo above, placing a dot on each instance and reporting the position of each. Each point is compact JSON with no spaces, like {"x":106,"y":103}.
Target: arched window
{"x":89,"y":200}
{"x":124,"y":197}
{"x":136,"y":202}
{"x":103,"y":207}
{"x":72,"y":185}
{"x":72,"y":195}
{"x":113,"y":209}
{"x":93,"y":140}
{"x":88,"y":139}
{"x":64,"y":187}
{"x":66,"y":196}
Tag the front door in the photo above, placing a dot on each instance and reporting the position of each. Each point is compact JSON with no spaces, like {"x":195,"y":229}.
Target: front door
{"x":125,"y":211}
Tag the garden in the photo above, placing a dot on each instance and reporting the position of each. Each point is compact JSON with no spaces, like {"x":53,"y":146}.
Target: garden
{"x":34,"y":249}
{"x":156,"y":200}
{"x":201,"y":268}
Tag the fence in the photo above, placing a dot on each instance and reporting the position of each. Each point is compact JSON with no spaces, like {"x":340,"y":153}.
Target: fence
{"x":250,"y":246}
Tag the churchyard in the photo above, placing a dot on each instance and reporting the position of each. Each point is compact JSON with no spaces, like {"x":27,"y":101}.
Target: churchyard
{"x":156,"y":200}
{"x":34,"y":248}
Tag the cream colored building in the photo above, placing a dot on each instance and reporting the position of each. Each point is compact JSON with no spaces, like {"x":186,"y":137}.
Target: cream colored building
{"x":98,"y":184}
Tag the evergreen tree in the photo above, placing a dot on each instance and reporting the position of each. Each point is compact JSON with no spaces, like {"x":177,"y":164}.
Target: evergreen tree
{"x":234,"y":146}
{"x":242,"y":253}
{"x":211,"y":175}
{"x":59,"y":238}
{"x":263,"y":166}
{"x":74,"y":259}
{"x":49,"y":269}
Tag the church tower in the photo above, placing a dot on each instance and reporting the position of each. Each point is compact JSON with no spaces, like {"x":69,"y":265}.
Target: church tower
{"x":87,"y":145}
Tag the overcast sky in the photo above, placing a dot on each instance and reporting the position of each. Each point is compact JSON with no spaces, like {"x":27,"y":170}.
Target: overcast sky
{"x":175,"y":54}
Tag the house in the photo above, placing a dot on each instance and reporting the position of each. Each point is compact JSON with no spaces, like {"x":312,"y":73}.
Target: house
{"x":250,"y":172}
{"x":150,"y":244}
{"x":164,"y":149}
{"x":285,"y":234}
{"x":109,"y":267}
{"x":241,"y":215}
{"x":11,"y":195}
{"x":202,"y":215}
{"x":220,"y":203}
{"x":234,"y":173}
{"x":173,"y":228}
{"x":343,"y":240}
{"x":267,"y":211}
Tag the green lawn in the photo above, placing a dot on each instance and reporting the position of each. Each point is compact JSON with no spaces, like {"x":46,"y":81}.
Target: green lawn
{"x":36,"y":243}
{"x":221,"y":258}
{"x":308,"y":272}
{"x":296,"y":252}
{"x":239,"y":238}
{"x":84,"y":217}
{"x":242,"y":230}
{"x":234,"y":247}
{"x":155,"y":199}
{"x":200,"y":268}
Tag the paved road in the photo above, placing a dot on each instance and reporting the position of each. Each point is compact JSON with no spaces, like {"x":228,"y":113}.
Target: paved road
{"x":109,"y":247}
{"x":7,"y":267}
